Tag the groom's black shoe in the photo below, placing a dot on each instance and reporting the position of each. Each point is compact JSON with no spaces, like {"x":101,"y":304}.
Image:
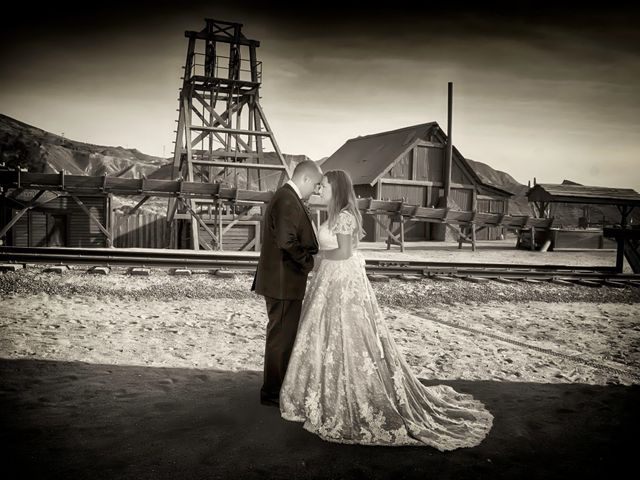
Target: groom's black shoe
{"x":270,"y":401}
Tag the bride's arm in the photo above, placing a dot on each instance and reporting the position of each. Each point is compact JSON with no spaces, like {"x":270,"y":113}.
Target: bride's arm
{"x":343,"y":251}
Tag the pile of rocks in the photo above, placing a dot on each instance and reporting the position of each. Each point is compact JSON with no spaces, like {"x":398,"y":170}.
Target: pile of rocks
{"x":161,"y":285}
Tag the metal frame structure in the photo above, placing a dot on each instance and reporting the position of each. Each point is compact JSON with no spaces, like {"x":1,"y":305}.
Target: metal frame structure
{"x":222,"y":129}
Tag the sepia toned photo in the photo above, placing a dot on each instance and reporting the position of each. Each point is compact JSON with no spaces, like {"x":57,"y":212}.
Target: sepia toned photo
{"x":254,"y":240}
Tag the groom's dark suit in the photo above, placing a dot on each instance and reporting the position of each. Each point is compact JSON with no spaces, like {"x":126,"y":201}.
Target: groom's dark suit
{"x":286,"y":258}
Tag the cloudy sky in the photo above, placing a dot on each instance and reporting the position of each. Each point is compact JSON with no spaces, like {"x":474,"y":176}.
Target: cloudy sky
{"x":539,"y":91}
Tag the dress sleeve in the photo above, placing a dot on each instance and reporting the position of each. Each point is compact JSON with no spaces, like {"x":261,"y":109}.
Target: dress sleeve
{"x":345,"y":224}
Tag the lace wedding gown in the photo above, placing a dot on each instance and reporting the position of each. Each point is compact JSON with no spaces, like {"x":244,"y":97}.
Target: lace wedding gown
{"x":347,"y":381}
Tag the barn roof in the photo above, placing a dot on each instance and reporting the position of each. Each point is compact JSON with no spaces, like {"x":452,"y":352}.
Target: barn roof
{"x":368,"y":157}
{"x":567,"y":193}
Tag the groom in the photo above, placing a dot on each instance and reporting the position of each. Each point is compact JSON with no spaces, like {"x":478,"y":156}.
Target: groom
{"x":286,"y":258}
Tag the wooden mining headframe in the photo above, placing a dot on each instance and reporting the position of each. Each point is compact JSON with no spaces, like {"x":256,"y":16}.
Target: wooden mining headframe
{"x":223,"y":134}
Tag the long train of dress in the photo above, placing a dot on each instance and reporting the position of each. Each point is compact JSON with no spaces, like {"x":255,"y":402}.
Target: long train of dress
{"x":347,"y":381}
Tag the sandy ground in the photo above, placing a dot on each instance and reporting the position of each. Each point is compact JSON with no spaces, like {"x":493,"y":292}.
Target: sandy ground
{"x":140,"y":381}
{"x":229,"y":334}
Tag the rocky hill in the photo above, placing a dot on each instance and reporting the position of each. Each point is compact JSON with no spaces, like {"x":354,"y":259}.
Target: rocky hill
{"x":518,"y":204}
{"x":40,"y":151}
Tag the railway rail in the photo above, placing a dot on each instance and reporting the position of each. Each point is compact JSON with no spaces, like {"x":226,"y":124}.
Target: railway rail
{"x":246,"y":261}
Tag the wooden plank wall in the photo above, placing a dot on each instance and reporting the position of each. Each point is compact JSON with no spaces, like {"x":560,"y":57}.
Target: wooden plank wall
{"x":430,"y":161}
{"x":236,"y":239}
{"x":413,"y":195}
{"x":139,"y":231}
{"x":33,"y":227}
{"x":491,"y":206}
{"x":368,"y":224}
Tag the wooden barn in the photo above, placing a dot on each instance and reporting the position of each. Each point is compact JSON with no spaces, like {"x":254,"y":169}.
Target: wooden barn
{"x":408,"y":164}
{"x":55,"y":220}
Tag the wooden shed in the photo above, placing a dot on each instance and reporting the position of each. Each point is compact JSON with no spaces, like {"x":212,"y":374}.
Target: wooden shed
{"x":57,"y":221}
{"x":408,"y":164}
{"x":545,"y":195}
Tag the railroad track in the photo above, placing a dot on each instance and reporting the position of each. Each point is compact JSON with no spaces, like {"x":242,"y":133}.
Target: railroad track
{"x":407,"y":269}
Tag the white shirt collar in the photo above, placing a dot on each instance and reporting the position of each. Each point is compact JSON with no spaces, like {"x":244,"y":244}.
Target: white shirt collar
{"x":295,"y":188}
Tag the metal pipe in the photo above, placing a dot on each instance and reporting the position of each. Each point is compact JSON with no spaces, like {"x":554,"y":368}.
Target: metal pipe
{"x":449,"y":148}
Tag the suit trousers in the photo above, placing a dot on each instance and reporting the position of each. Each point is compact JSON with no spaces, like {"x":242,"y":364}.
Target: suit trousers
{"x":284,"y":316}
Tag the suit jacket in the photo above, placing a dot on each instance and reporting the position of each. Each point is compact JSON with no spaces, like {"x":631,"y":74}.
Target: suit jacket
{"x":288,"y":246}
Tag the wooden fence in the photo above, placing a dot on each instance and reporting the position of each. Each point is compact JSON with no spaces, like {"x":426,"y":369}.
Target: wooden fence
{"x":139,"y":231}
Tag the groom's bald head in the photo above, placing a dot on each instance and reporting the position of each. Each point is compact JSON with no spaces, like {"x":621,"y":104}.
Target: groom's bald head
{"x":307,"y":175}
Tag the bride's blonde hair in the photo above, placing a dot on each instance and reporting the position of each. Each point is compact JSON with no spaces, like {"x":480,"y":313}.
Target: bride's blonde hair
{"x":343,"y":198}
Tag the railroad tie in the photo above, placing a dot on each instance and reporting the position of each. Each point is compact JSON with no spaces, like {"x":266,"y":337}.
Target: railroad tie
{"x":97,"y":270}
{"x":59,"y":269}
{"x":410,"y":278}
{"x":141,"y":271}
{"x":442,"y":278}
{"x":181,"y":271}
{"x":375,"y":277}
{"x":222,"y":273}
{"x":530,"y":280}
{"x":503,"y":280}
{"x":588,"y":283}
{"x":474,"y":279}
{"x":11,"y":267}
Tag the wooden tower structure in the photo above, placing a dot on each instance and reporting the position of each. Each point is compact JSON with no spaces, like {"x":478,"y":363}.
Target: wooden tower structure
{"x":223,"y":136}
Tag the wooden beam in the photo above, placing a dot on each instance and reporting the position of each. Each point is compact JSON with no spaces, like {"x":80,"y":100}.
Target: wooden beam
{"x":458,"y":232}
{"x":231,"y":131}
{"x":200,"y":116}
{"x":226,"y":154}
{"x":386,"y":228}
{"x":219,"y":214}
{"x":221,"y":120}
{"x":422,"y":183}
{"x":106,"y":232}
{"x":249,"y":244}
{"x":619,"y":254}
{"x":195,"y":232}
{"x":460,"y":238}
{"x":263,"y":117}
{"x":216,"y":163}
{"x":393,"y":163}
{"x":221,"y":38}
{"x":425,"y":143}
{"x":138,"y":205}
{"x":533,"y":237}
{"x":18,"y":215}
{"x":235,"y":221}
{"x":473,"y":237}
{"x":200,"y":221}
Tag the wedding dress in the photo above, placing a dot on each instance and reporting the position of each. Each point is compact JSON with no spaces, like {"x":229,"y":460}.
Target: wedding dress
{"x":346,"y":379}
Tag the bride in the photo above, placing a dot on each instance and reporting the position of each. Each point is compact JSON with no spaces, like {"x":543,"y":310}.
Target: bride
{"x":346,"y":379}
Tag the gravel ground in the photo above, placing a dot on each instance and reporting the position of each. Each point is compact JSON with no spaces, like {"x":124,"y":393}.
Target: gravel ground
{"x":160,"y":285}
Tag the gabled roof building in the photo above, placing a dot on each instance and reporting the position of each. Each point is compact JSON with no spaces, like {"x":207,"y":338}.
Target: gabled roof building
{"x":408,"y":164}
